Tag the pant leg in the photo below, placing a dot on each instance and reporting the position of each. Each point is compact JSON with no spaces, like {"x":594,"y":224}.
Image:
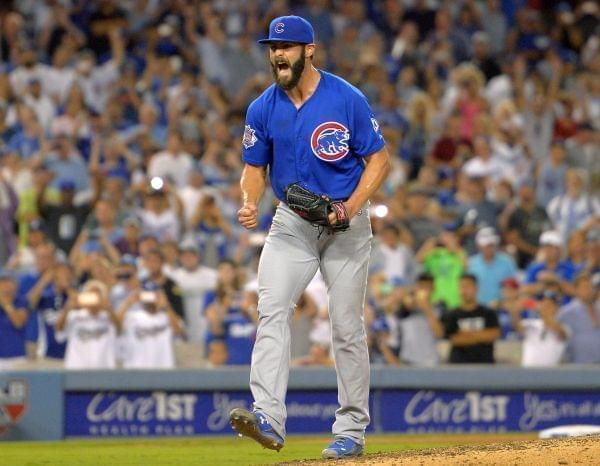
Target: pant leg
{"x":288,"y":262}
{"x":344,"y":264}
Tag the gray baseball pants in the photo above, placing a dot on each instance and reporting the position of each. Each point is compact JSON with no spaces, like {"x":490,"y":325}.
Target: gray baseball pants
{"x":293,"y":252}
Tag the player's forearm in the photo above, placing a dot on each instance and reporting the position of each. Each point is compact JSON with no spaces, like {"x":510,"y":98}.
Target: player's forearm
{"x":253,"y":183}
{"x":376,"y":171}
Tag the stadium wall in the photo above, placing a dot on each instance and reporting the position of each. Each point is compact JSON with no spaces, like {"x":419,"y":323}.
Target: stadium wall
{"x":55,"y":404}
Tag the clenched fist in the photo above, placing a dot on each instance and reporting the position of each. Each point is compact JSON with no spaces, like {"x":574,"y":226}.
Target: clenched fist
{"x":248,"y":216}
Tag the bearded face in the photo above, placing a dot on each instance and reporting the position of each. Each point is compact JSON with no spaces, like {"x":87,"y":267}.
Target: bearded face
{"x":287,"y":74}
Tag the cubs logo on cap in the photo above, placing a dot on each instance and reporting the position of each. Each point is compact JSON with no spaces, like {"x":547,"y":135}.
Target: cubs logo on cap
{"x":329,"y":141}
{"x":290,"y":29}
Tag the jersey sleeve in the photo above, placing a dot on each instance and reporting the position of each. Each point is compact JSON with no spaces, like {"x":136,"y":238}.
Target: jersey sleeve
{"x":366,"y":137}
{"x":256,"y":146}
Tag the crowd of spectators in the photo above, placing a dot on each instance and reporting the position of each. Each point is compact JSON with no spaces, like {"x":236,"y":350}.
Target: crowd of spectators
{"x":121,"y":125}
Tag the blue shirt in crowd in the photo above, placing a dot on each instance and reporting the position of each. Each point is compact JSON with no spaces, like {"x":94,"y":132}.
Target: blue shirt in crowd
{"x":490,"y":275}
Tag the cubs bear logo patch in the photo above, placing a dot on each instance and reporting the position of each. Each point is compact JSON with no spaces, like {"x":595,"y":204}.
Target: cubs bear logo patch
{"x":329,"y":141}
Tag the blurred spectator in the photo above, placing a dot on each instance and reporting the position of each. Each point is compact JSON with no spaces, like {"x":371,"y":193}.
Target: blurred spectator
{"x":154,"y":262}
{"x":399,"y":263}
{"x":551,"y":267}
{"x":211,"y":231}
{"x":482,"y":56}
{"x":525,"y":225}
{"x":420,"y":327}
{"x":319,"y":355}
{"x":172,"y":164}
{"x":90,"y":328}
{"x":581,"y":322}
{"x":161,"y":212}
{"x":475,"y":212}
{"x":194,"y":280}
{"x":543,"y":337}
{"x":551,"y":175}
{"x":192,"y":193}
{"x":472,"y":328}
{"x":149,"y":326}
{"x":13,"y":317}
{"x":47,"y":299}
{"x":66,"y":164}
{"x":64,"y":220}
{"x":574,"y":209}
{"x":490,"y":266}
{"x":231,"y":320}
{"x":8,"y":208}
{"x":418,"y":220}
{"x":126,"y":283}
{"x":128,"y":243}
{"x":23,"y":259}
{"x":445,"y":260}
{"x":217,"y":353}
{"x":509,"y":304}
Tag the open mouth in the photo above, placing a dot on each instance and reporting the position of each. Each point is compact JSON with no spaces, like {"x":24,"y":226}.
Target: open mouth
{"x":282,"y":66}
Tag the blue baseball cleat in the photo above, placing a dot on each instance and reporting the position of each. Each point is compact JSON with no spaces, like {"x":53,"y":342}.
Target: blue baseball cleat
{"x":256,"y":426}
{"x":342,"y":447}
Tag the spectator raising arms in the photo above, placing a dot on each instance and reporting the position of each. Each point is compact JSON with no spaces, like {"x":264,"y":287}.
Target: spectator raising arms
{"x":149,"y":325}
{"x":90,"y":328}
{"x":13,"y":316}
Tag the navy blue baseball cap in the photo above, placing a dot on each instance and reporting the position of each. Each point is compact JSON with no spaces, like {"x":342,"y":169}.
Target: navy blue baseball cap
{"x":290,"y":29}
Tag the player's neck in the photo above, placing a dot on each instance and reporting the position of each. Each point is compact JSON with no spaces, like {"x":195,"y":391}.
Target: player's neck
{"x":306,"y":87}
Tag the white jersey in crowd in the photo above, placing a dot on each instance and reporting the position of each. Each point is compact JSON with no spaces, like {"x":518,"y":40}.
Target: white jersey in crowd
{"x":91,"y":340}
{"x":541,"y":346}
{"x":149,"y":340}
{"x":399,"y":265}
{"x":194,"y":285}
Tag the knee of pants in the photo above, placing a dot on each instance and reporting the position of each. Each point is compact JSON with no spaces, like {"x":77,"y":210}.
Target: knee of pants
{"x":347,"y":332}
{"x":273,"y":310}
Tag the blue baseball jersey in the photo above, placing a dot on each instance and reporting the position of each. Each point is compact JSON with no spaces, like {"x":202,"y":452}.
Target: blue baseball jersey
{"x":12,"y":339}
{"x":320,"y":145}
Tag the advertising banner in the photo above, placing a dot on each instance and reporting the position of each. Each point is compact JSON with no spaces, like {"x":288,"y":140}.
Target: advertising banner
{"x":424,"y":411}
{"x":165,"y":413}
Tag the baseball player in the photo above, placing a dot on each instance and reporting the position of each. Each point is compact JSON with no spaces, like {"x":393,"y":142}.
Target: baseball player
{"x":325,"y":157}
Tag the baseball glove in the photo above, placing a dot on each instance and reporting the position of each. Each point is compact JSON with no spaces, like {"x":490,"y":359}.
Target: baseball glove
{"x":315,"y":208}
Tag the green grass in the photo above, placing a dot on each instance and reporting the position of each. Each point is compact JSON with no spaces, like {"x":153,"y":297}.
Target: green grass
{"x":213,"y":451}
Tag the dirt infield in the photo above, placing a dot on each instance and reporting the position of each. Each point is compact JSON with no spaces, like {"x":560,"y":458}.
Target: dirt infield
{"x":584,"y":451}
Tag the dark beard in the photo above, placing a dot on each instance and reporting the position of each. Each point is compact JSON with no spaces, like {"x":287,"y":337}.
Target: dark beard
{"x":297,"y":68}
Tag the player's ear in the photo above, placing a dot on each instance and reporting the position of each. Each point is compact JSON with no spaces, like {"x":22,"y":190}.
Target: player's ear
{"x":309,"y":51}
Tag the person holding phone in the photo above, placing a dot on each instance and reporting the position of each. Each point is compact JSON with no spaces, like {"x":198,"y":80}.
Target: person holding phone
{"x":89,"y":326}
{"x":149,"y":325}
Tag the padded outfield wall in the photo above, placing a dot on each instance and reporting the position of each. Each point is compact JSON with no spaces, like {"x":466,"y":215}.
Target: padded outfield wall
{"x":56,"y":404}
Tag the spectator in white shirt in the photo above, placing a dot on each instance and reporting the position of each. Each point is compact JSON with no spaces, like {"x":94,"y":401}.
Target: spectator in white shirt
{"x":399,"y":262}
{"x":95,"y":81}
{"x":149,"y":325}
{"x":191,"y":194}
{"x":575,"y":209}
{"x":40,"y":103}
{"x":90,"y":328}
{"x":161,"y":213}
{"x":194,"y":280}
{"x":172,"y":163}
{"x":484,"y":164}
{"x":29,"y":68}
{"x":543,"y":338}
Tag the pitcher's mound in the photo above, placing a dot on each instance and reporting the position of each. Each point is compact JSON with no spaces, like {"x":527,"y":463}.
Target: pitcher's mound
{"x":580,"y":451}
